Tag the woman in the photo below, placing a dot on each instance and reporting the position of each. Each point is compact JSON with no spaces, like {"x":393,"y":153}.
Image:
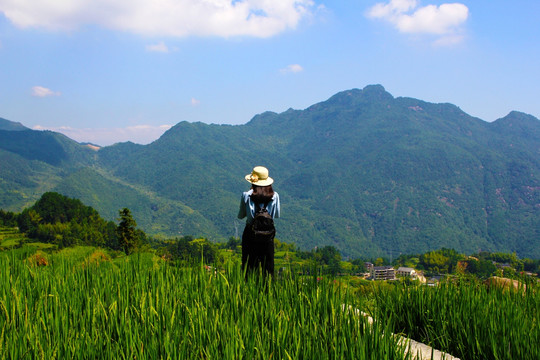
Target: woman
{"x":257,"y":252}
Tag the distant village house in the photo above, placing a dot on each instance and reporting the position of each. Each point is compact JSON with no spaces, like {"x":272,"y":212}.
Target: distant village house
{"x":406,"y":272}
{"x":383,"y":273}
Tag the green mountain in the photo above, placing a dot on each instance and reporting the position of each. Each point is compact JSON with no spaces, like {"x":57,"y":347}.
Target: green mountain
{"x":33,"y":162}
{"x":10,"y":125}
{"x":366,"y":172}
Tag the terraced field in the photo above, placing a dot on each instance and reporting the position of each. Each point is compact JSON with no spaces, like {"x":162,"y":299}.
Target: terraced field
{"x":9,"y":237}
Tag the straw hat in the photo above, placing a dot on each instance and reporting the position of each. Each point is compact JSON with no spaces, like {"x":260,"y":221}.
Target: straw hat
{"x":259,"y":176}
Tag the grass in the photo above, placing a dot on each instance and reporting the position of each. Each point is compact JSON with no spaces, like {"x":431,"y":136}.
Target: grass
{"x":466,"y":319}
{"x":142,"y":307}
{"x":84,"y":302}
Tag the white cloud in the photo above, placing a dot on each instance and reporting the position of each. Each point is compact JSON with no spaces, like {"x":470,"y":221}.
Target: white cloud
{"x":41,"y":91}
{"x":445,"y":20}
{"x":195,"y":102}
{"x":391,"y":9}
{"x":224,"y":18}
{"x":140,"y":134}
{"x":293,"y":68}
{"x":159,"y":47}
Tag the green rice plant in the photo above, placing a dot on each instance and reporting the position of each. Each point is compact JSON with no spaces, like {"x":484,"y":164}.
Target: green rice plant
{"x":466,"y":319}
{"x":141,"y":307}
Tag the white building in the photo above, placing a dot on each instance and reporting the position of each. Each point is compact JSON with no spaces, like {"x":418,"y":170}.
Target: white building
{"x":406,"y":272}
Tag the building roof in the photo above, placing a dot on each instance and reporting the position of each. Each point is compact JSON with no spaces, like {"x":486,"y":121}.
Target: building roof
{"x":407,"y":269}
{"x":386,"y":267}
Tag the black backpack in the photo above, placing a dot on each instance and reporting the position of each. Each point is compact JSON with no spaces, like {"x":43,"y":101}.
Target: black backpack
{"x":263,"y":224}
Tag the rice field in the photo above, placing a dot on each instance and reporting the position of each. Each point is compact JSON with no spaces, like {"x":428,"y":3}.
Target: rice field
{"x":9,"y":237}
{"x":82,"y":303}
{"x":466,"y":319}
{"x":85,"y":305}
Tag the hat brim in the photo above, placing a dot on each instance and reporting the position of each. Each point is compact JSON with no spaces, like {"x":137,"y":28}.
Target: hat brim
{"x":260,"y":182}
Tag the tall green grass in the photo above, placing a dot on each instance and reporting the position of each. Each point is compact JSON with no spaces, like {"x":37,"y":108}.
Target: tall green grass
{"x":143,"y":308}
{"x":466,"y":319}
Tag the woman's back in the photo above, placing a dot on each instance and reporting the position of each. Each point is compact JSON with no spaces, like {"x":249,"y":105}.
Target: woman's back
{"x":249,"y":204}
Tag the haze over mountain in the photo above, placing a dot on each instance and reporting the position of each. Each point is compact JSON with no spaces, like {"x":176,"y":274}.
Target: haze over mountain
{"x":366,"y":172}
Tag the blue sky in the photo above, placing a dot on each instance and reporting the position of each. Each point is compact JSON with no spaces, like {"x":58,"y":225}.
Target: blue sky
{"x":106,"y":71}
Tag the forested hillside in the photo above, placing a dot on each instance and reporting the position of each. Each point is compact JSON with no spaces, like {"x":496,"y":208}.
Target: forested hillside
{"x":363,"y":171}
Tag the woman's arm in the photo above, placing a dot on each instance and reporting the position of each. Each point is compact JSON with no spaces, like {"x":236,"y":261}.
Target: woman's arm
{"x":242,"y":211}
{"x":276,"y":209}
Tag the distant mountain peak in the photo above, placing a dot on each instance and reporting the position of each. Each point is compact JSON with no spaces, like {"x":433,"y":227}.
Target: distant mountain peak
{"x":370,"y":93}
{"x":265,"y":116}
{"x":374,"y":89}
{"x":11,"y":125}
{"x":520,"y":116}
{"x":518,"y":123}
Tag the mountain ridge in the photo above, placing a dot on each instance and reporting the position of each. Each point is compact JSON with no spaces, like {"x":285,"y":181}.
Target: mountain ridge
{"x":11,"y":125}
{"x":363,"y":171}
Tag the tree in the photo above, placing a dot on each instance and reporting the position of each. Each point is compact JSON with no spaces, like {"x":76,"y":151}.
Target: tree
{"x":233,"y":244}
{"x":435,"y":261}
{"x":203,"y":248}
{"x":126,"y":231}
{"x":54,"y":207}
{"x":189,"y":250}
{"x":7,"y":218}
{"x":28,"y":222}
{"x":481,"y":268}
{"x":358,"y":266}
{"x":330,"y":256}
